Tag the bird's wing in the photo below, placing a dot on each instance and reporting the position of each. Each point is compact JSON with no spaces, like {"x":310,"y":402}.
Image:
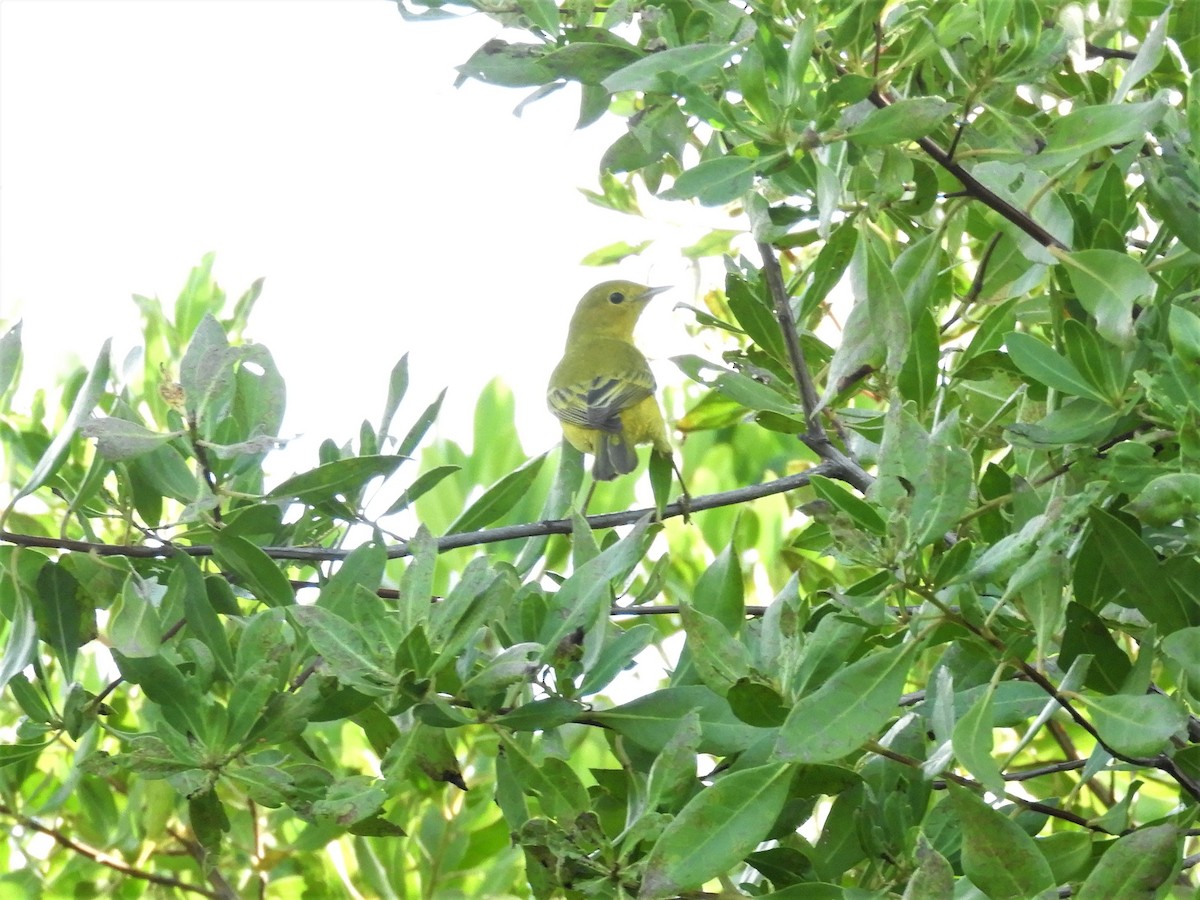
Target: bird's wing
{"x":598,"y":403}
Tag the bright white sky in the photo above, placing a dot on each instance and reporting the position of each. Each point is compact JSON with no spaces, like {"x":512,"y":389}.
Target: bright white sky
{"x":322,"y":145}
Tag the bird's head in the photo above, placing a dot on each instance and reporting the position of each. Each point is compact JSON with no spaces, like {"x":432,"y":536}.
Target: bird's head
{"x":611,"y":308}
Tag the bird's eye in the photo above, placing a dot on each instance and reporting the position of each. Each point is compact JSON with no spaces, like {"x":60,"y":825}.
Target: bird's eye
{"x":616,"y":297}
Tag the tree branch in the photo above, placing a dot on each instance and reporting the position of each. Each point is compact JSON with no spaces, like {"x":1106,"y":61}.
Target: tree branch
{"x":815,"y":436}
{"x":976,"y":189}
{"x":1161,"y":761}
{"x":840,"y":468}
{"x":105,"y":859}
{"x":1053,"y":811}
{"x":791,"y":338}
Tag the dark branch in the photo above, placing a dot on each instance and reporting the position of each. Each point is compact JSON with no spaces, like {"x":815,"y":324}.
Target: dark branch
{"x":105,"y":859}
{"x":791,"y":338}
{"x":840,"y":468}
{"x":815,"y":436}
{"x":960,"y":780}
{"x":978,"y":190}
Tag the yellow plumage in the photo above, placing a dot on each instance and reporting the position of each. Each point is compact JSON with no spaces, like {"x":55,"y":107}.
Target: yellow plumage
{"x":602,"y":390}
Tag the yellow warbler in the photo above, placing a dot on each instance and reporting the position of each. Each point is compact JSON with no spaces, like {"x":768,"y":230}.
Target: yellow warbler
{"x":602,"y":390}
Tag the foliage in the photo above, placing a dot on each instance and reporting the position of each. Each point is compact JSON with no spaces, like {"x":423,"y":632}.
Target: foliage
{"x":933,"y":629}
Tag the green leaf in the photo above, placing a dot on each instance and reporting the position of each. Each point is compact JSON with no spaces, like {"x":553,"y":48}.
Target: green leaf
{"x":614,"y":253}
{"x":757,"y":704}
{"x":21,"y":645}
{"x":1133,"y":565}
{"x":134,"y":627}
{"x":1109,"y":285}
{"x":661,"y":469}
{"x":616,"y":656}
{"x":863,"y":513}
{"x":415,"y":593}
{"x":178,"y":697}
{"x":422,"y":425}
{"x":186,"y":587}
{"x":511,"y":666}
{"x":691,"y":851}
{"x":499,"y":498}
{"x":52,"y":457}
{"x":651,"y":720}
{"x":478,"y":597}
{"x":745,"y":390}
{"x":349,"y":800}
{"x":14,"y":754}
{"x":347,"y":654}
{"x":362,"y":568}
{"x":1089,"y":128}
{"x":972,"y":741}
{"x":509,"y":65}
{"x":10,"y":357}
{"x":1136,"y":725}
{"x":714,"y":182}
{"x":904,"y":120}
{"x":567,"y":479}
{"x":999,"y":858}
{"x":872,"y":281}
{"x":421,"y":485}
{"x":344,"y":478}
{"x":1043,"y":364}
{"x":63,"y":620}
{"x":555,"y":783}
{"x":1167,"y":499}
{"x":755,"y":313}
{"x":258,"y":572}
{"x":207,"y":373}
{"x":1184,"y":329}
{"x":1087,"y":634}
{"x":590,"y":63}
{"x":1101,"y":364}
{"x":397,"y":388}
{"x":941,"y":498}
{"x":918,"y":379}
{"x":933,"y":878}
{"x":543,"y":14}
{"x":1135,"y":866}
{"x":1149,"y":53}
{"x":583,"y":601}
{"x":673,"y":773}
{"x":851,"y":706}
{"x":693,"y":63}
{"x":118,"y":439}
{"x":542,"y":715}
{"x":719,"y":658}
{"x":1173,"y":184}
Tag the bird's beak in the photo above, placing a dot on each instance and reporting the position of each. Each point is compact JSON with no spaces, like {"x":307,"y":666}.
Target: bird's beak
{"x":655,"y":291}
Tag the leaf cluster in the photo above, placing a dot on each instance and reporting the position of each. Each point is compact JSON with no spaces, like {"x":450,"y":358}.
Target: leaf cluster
{"x":934,"y":631}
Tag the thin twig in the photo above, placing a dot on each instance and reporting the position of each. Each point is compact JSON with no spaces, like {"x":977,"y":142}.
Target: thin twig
{"x":105,"y":859}
{"x":224,"y":890}
{"x":791,"y":338}
{"x":671,"y":610}
{"x":976,"y":283}
{"x":814,"y":437}
{"x":1066,"y":765}
{"x":975,"y":188}
{"x":1106,"y":53}
{"x":1162,"y":762}
{"x":841,"y":469}
{"x":1059,"y":733}
{"x":210,"y":476}
{"x":1053,"y":811}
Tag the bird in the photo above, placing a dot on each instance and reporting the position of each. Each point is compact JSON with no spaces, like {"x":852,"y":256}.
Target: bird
{"x":602,"y":390}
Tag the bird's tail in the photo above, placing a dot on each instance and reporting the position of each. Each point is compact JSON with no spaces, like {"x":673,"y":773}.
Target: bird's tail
{"x":615,"y":455}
